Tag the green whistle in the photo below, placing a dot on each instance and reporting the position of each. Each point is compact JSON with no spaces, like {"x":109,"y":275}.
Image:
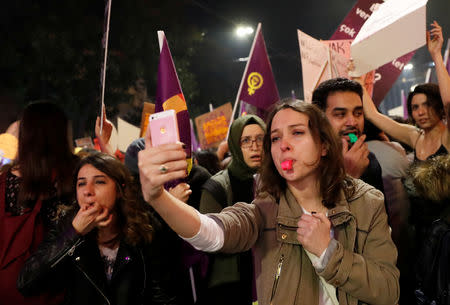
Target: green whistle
{"x":353,"y":138}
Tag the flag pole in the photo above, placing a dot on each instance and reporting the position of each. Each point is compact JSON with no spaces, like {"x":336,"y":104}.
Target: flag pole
{"x":105,"y":57}
{"x":258,"y":29}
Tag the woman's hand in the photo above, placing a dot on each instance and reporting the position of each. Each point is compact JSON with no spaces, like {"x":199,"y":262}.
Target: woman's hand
{"x":435,"y":40}
{"x":159,"y":165}
{"x":105,"y":137}
{"x":89,"y":217}
{"x":181,"y":191}
{"x":314,"y":233}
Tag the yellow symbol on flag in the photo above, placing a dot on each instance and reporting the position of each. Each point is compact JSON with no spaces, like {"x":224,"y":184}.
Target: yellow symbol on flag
{"x":254,"y":81}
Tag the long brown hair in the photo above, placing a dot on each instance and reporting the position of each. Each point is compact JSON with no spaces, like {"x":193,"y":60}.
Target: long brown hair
{"x":331,"y":168}
{"x":133,"y":217}
{"x":45,"y":159}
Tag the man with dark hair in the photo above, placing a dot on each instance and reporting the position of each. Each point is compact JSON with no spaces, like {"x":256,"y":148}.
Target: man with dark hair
{"x":341,"y":100}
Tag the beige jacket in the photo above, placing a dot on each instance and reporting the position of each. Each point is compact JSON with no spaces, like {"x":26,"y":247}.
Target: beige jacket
{"x":361,"y":264}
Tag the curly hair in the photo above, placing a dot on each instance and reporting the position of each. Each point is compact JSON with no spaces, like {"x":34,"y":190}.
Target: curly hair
{"x":133,"y":216}
{"x":331,"y":168}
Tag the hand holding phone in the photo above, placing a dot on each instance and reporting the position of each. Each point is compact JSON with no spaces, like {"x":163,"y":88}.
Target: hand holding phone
{"x":163,"y":127}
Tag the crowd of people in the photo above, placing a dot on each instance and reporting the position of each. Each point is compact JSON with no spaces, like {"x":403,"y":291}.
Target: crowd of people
{"x":317,"y":205}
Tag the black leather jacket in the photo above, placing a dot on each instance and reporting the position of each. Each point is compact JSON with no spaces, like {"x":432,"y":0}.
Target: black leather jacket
{"x":70,"y":262}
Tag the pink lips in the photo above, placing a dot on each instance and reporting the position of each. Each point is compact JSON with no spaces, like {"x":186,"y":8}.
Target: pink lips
{"x":286,"y":165}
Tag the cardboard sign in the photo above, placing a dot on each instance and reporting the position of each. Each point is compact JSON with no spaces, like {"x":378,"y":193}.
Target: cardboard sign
{"x":212,"y":127}
{"x":127,"y":133}
{"x":148,"y":109}
{"x":340,"y":46}
{"x":85,"y":142}
{"x":399,"y":24}
{"x":319,"y":63}
{"x":315,"y":63}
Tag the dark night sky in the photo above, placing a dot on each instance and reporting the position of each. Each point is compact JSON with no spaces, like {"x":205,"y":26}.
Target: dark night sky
{"x":280,"y":20}
{"x":216,"y":70}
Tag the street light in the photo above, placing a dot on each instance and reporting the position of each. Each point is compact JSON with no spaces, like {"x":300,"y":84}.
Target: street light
{"x":243,"y":31}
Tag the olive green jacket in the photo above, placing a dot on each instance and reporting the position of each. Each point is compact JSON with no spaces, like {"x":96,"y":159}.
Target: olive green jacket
{"x":361,"y":264}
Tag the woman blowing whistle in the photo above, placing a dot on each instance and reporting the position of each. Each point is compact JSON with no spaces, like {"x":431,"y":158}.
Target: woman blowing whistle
{"x":319,"y":236}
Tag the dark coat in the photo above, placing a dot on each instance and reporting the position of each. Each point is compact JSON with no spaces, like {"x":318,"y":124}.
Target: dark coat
{"x":70,"y":262}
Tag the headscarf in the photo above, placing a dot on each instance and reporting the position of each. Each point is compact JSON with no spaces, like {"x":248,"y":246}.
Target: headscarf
{"x":237,"y":166}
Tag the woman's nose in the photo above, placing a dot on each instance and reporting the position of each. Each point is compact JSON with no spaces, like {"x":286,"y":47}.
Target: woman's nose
{"x":88,"y":189}
{"x":285,"y":145}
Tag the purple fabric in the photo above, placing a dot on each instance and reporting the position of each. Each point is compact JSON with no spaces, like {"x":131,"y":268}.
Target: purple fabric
{"x":267,"y":94}
{"x":168,"y":86}
{"x":194,"y":143}
{"x":386,"y":75}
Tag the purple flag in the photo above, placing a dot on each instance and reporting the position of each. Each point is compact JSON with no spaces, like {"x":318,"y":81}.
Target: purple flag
{"x":258,"y":87}
{"x":194,"y":142}
{"x":386,"y":75}
{"x":169,"y":94}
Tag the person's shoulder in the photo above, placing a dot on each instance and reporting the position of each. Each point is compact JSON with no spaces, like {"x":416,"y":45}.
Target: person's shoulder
{"x":365,"y":193}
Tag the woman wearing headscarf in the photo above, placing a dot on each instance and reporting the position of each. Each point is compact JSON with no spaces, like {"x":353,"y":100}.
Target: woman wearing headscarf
{"x":230,"y":277}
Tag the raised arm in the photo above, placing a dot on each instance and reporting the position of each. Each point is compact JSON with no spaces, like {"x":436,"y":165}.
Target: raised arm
{"x":158,"y":165}
{"x":435,"y":40}
{"x":404,"y":133}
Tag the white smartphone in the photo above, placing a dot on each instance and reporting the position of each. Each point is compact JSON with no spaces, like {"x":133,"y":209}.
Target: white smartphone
{"x":163,"y":127}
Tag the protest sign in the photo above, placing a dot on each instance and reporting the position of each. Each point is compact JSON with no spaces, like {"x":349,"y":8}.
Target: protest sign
{"x":399,"y":24}
{"x":340,"y":46}
{"x":85,"y":142}
{"x":319,"y":63}
{"x":147,"y":110}
{"x":127,"y":133}
{"x":386,"y":75}
{"x":315,"y":57}
{"x":212,"y":127}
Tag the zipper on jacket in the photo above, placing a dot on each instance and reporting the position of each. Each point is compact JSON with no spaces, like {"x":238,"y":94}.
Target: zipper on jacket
{"x":93,"y":284}
{"x":277,"y":277}
{"x":69,"y":252}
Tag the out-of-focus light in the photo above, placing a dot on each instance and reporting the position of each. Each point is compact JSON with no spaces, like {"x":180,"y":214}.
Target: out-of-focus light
{"x":413,"y":87}
{"x":243,"y":31}
{"x":409,"y":66}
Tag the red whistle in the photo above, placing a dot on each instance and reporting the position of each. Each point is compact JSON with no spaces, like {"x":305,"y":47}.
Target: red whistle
{"x":286,"y":165}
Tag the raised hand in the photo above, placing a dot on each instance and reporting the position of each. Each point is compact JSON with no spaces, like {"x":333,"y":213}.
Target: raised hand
{"x":159,"y":165}
{"x":435,"y":40}
{"x":105,"y":136}
{"x":181,"y":191}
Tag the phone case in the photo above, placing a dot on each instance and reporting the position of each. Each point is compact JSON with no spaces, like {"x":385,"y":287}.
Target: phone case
{"x":163,"y":127}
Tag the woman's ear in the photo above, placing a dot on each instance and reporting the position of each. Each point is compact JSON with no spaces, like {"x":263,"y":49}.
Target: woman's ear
{"x":324,"y":149}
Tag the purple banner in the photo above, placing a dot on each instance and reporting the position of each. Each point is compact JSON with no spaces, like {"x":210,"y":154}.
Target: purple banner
{"x":386,"y":75}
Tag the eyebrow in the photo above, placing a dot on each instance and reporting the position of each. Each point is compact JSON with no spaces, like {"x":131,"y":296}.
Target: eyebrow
{"x":291,"y":126}
{"x":96,"y":176}
{"x":346,"y":109}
